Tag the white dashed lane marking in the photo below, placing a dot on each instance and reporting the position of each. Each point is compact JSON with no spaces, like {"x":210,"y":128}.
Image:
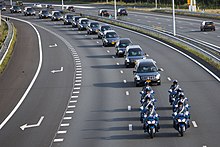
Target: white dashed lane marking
{"x":194,"y":124}
{"x":121,"y":71}
{"x":58,"y":140}
{"x":72,"y":107}
{"x":75,"y":96}
{"x":75,"y":92}
{"x":65,"y":125}
{"x":74,"y":101}
{"x":76,"y":88}
{"x":168,"y":78}
{"x":127,"y":92}
{"x":61,"y":132}
{"x":129,"y":108}
{"x":130,"y":127}
{"x":69,"y":112}
{"x":67,"y":118}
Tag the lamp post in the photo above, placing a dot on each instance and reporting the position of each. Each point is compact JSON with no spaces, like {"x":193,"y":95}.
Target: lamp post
{"x":0,"y":18}
{"x":62,"y":4}
{"x":11,"y":2}
{"x":156,"y":4}
{"x":174,"y":24}
{"x":115,"y":10}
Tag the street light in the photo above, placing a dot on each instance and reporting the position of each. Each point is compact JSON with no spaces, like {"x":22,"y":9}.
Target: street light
{"x":156,"y":4}
{"x":115,"y":10}
{"x":62,"y":4}
{"x":174,"y":24}
{"x":0,"y":18}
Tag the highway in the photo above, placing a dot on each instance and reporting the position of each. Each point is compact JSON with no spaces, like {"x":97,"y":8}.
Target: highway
{"x":87,"y":103}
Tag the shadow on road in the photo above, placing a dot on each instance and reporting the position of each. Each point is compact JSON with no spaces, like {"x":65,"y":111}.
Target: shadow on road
{"x":115,"y":85}
{"x":135,"y":136}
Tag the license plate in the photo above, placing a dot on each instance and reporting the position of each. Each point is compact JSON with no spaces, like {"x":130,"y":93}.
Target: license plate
{"x":148,"y":80}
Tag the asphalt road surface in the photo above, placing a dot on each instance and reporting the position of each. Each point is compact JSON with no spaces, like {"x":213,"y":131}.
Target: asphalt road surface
{"x":94,"y":92}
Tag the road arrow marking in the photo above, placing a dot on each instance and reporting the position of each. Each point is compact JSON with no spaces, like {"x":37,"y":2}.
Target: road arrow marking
{"x":59,"y":70}
{"x":25,"y":126}
{"x":53,"y":45}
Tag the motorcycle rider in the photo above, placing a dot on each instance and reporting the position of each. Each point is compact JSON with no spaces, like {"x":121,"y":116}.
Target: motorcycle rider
{"x":174,"y":89}
{"x":174,"y":86}
{"x":181,"y":109}
{"x":146,"y":90}
{"x":146,"y":98}
{"x":181,"y":98}
{"x":151,"y":112}
{"x":145,"y":108}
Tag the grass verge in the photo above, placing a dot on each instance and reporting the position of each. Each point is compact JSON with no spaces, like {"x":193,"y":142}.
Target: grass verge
{"x":10,"y":51}
{"x":3,"y":33}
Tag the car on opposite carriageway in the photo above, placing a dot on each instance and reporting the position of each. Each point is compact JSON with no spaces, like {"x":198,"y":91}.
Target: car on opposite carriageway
{"x":207,"y":25}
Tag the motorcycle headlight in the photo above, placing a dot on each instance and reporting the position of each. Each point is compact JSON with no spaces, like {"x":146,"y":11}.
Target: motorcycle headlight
{"x":182,"y":120}
{"x":137,"y":77}
{"x":142,"y":108}
{"x":151,"y":122}
{"x":158,"y":76}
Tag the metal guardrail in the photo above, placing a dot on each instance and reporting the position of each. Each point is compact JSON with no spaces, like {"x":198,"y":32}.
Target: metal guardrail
{"x":7,"y":42}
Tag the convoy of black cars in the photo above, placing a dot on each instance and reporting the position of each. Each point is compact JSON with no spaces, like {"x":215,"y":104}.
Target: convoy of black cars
{"x":144,"y":68}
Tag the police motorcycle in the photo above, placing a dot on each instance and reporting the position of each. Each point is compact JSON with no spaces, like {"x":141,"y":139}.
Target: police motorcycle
{"x":181,"y":120}
{"x":151,"y":123}
{"x":147,"y":101}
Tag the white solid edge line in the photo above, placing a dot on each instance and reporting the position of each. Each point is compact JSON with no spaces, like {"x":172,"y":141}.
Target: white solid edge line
{"x":33,"y":80}
{"x":195,"y":61}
